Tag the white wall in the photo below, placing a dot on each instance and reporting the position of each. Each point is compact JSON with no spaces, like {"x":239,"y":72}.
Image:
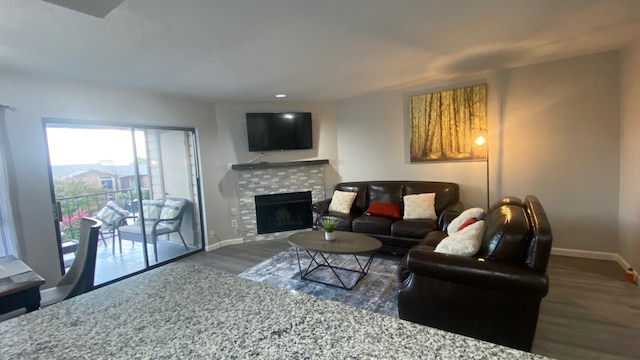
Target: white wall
{"x":629,"y":241}
{"x":35,"y":98}
{"x":561,"y":142}
{"x":234,"y":149}
{"x":553,"y":131}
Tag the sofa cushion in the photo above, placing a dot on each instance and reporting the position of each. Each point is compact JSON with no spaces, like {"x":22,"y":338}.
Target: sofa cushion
{"x":417,"y":229}
{"x":419,"y":206}
{"x":465,"y":242}
{"x":372,"y":225}
{"x":470,"y":213}
{"x":387,"y":192}
{"x":384,"y":209}
{"x":506,"y":236}
{"x":341,"y":201}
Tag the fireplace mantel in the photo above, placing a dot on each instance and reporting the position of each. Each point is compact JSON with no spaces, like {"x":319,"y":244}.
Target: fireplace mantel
{"x":270,"y":165}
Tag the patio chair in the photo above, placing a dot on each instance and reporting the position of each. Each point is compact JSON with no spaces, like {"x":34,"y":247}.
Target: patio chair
{"x":112,"y":216}
{"x":79,"y":278}
{"x":161,"y":217}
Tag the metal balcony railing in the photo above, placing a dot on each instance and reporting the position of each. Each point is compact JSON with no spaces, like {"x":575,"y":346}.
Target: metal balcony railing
{"x":72,"y":209}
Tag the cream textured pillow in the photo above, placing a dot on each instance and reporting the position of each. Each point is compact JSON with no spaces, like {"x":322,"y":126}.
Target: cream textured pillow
{"x":341,"y":201}
{"x":477,"y":213}
{"x":420,"y":206}
{"x":465,"y":242}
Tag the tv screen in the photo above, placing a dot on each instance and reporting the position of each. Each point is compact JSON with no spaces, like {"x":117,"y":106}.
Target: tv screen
{"x":279,"y":131}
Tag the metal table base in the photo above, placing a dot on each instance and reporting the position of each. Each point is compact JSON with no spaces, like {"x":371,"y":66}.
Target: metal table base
{"x":319,"y":260}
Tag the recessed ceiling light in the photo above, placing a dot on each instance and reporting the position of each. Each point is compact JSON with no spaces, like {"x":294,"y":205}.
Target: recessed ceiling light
{"x":281,"y":95}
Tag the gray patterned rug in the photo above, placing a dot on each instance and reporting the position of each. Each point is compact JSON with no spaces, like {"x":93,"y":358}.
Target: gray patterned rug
{"x":376,"y":292}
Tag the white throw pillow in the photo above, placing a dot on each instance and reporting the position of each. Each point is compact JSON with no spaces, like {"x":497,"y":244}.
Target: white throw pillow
{"x":465,"y":242}
{"x":341,"y":201}
{"x":420,"y":206}
{"x":453,"y":226}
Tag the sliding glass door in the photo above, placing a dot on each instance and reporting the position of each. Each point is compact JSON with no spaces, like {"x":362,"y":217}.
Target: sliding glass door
{"x":141,"y":182}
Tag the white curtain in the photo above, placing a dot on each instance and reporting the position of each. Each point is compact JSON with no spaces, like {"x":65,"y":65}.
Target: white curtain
{"x":8,"y":238}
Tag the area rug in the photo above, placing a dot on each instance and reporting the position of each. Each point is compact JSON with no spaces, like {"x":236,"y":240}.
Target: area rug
{"x":376,"y":292}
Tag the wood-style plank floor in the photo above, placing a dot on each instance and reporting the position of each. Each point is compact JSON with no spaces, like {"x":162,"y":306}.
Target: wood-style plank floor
{"x":589,"y":313}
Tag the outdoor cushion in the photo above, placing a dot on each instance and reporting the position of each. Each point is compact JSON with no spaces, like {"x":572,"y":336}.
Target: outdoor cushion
{"x":170,"y":210}
{"x":152,"y":209}
{"x":111,"y":214}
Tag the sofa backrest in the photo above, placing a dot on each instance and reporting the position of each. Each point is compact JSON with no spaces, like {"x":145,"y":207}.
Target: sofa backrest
{"x":506,"y":236}
{"x":517,"y":232}
{"x":393,"y":191}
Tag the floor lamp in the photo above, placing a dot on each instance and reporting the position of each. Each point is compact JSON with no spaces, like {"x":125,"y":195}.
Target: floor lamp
{"x":483,"y":140}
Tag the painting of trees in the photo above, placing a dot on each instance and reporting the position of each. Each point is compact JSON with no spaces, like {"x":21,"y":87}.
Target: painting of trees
{"x":443,"y":125}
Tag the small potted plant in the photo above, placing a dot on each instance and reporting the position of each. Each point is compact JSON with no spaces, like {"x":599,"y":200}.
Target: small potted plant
{"x":329,"y":225}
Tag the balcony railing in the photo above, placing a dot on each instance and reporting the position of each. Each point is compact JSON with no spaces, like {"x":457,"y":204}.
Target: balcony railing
{"x":72,"y":209}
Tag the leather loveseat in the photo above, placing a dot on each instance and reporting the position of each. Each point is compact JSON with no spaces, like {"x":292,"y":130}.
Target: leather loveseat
{"x":396,"y":234}
{"x":494,"y":295}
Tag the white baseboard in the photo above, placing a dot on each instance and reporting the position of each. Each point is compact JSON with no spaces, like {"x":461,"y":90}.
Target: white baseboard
{"x":224,"y":243}
{"x":600,"y":255}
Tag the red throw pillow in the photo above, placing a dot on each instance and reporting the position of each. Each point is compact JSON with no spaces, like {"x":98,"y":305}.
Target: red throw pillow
{"x":384,"y":209}
{"x":467,"y":223}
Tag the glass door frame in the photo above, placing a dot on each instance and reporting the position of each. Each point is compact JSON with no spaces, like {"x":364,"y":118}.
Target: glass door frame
{"x":132,"y":127}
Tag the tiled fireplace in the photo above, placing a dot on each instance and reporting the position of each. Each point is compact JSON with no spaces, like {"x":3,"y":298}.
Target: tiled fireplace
{"x":274,"y":178}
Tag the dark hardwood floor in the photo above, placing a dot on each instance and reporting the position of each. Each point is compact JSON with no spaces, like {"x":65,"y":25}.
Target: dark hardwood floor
{"x":589,"y":313}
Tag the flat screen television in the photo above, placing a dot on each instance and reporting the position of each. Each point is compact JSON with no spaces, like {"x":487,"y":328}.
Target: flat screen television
{"x":279,"y":131}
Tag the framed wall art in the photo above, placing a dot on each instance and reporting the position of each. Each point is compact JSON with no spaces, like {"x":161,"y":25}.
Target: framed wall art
{"x":443,"y":125}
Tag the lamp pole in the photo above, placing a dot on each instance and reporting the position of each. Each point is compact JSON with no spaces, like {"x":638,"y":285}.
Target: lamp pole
{"x":483,"y":140}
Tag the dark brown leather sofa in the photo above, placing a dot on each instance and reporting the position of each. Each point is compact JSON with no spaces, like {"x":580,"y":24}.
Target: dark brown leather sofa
{"x":396,"y":235}
{"x":493,"y":296}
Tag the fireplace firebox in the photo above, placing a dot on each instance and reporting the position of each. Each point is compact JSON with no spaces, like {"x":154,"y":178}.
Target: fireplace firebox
{"x":283,"y":212}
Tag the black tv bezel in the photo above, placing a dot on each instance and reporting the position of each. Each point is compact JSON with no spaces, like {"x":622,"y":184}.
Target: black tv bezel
{"x":308,"y":115}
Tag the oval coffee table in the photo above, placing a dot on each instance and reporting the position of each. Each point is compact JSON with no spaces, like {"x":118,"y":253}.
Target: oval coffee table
{"x":321,"y":253}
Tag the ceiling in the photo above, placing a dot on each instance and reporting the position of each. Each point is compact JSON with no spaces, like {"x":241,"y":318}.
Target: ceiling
{"x":250,"y":50}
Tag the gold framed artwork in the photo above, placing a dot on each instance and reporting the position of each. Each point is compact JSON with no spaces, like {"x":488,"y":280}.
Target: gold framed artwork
{"x":443,"y":125}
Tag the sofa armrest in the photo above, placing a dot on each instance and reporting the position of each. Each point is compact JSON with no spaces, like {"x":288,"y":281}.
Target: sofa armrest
{"x":321,"y":207}
{"x":449,"y":213}
{"x":475,"y":272}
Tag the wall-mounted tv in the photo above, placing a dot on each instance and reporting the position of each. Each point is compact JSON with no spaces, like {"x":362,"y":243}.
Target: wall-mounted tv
{"x":279,"y":131}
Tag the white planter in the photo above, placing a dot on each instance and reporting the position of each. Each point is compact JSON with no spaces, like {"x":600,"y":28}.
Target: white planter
{"x":329,"y":236}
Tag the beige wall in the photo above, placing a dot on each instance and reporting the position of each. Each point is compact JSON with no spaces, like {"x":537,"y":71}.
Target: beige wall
{"x":561,"y":143}
{"x":36,"y":98}
{"x":553,"y":133}
{"x":629,"y":243}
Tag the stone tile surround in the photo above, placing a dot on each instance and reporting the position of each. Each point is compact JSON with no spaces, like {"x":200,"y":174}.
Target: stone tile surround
{"x":277,"y":180}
